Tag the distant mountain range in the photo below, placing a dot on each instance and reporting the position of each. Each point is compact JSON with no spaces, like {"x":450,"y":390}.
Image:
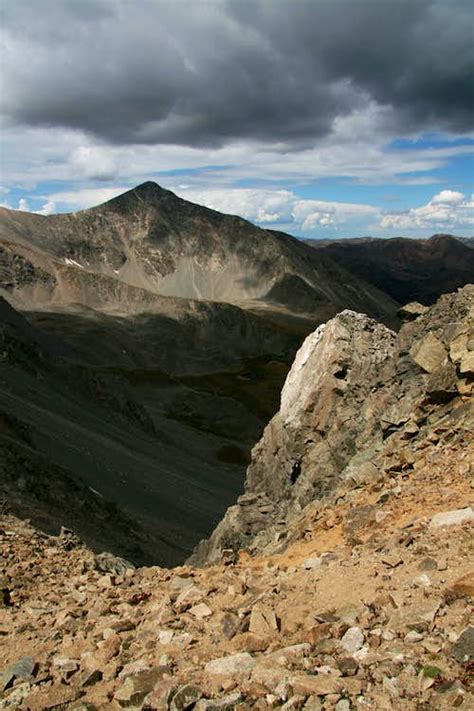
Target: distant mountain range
{"x":152,"y":344}
{"x":406,"y":269}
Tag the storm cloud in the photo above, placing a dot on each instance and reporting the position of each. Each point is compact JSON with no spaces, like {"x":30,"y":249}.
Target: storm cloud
{"x":198,"y":73}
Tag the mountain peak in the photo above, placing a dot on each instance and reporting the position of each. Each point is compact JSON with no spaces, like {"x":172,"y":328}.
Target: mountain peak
{"x":147,"y":186}
{"x":143,"y":193}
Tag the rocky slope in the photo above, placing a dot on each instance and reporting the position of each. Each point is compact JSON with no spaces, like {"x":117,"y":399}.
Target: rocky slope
{"x":407,"y":269}
{"x":355,"y":394}
{"x":358,"y":517}
{"x":125,"y":254}
{"x":366,"y":605}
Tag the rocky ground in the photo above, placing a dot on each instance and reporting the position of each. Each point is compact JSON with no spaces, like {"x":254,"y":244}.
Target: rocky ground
{"x":369,"y":607}
{"x":361,"y":598}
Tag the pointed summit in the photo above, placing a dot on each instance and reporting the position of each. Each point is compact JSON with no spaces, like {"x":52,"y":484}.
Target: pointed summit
{"x":149,"y":186}
{"x":145,"y":193}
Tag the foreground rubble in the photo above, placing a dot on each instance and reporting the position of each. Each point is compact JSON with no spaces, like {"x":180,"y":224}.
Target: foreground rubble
{"x":364,"y":602}
{"x":380,"y":622}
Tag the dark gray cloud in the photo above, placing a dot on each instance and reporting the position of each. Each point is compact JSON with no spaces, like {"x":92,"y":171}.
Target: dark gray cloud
{"x":198,"y":72}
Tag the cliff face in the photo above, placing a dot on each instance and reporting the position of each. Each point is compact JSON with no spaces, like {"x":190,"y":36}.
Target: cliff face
{"x":355,"y":393}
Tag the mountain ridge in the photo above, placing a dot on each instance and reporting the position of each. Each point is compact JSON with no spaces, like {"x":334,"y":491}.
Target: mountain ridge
{"x":407,"y":269}
{"x":148,"y":238}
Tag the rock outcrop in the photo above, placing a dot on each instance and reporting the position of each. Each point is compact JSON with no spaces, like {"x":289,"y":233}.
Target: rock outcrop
{"x":355,"y":391}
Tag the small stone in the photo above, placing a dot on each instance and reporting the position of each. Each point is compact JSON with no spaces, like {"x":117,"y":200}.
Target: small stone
{"x":185,"y":697}
{"x":262,"y":621}
{"x":467,"y":363}
{"x":53,"y":697}
{"x":343,"y":705}
{"x":165,"y":636}
{"x":452,"y":518}
{"x":177,"y":584}
{"x":353,"y":640}
{"x":422,"y":581}
{"x":233,"y":664}
{"x":15,"y":699}
{"x":190,"y":596}
{"x":200,"y":611}
{"x":463,"y":649}
{"x":361,"y":653}
{"x":296,"y":702}
{"x":392,"y":560}
{"x":160,"y":696}
{"x":428,"y":563}
{"x":390,"y":684}
{"x":136,"y":667}
{"x":108,"y":563}
{"x":312,"y":563}
{"x":225,"y":703}
{"x":23,"y":669}
{"x":136,"y":687}
{"x":412,"y":637}
{"x":89,"y":678}
{"x":231,"y":625}
{"x":183,"y":641}
{"x":291,"y":654}
{"x":348,"y":666}
{"x":249,"y":642}
{"x":429,"y":353}
{"x":125,"y":624}
{"x":319,"y":685}
{"x":441,"y":385}
{"x":411,"y":311}
{"x":66,"y":665}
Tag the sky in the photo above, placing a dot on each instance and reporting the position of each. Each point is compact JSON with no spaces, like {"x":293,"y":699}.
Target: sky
{"x":323,"y":118}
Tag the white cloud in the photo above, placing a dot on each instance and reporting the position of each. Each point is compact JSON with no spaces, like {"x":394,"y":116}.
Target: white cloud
{"x":73,"y":200}
{"x":283,"y":207}
{"x":94,"y":162}
{"x":448,"y":197}
{"x":311,"y":214}
{"x":23,"y":205}
{"x":48,"y":208}
{"x":446,"y":210}
{"x":265,"y":206}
